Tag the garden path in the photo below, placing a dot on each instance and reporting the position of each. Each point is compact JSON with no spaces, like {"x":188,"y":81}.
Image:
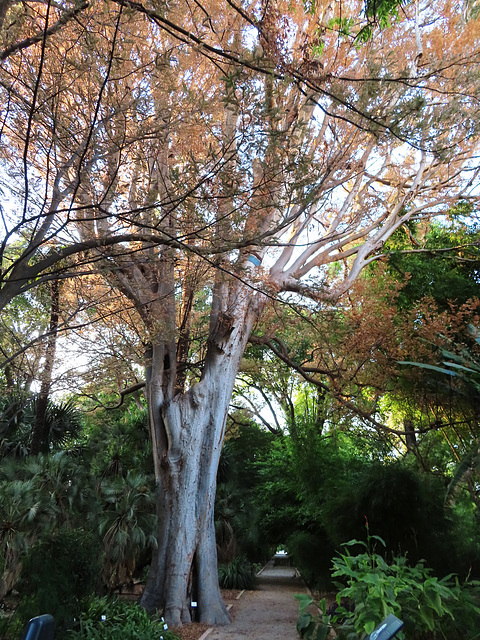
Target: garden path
{"x":268,"y":613}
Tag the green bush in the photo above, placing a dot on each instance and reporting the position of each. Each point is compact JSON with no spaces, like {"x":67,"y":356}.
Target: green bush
{"x":114,"y":619}
{"x":312,"y":555}
{"x":10,"y":627}
{"x":376,"y":589}
{"x":238,"y":574}
{"x":404,"y":507}
{"x":428,"y":606}
{"x":57,"y":574}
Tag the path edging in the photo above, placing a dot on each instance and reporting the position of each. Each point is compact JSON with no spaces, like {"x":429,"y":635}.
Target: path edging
{"x":206,"y":633}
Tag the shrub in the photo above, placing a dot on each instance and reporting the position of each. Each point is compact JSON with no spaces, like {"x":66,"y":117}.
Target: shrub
{"x":57,"y":574}
{"x":238,"y":574}
{"x":404,"y":507}
{"x":312,"y":555}
{"x":376,"y":589}
{"x":10,"y":627}
{"x":113,"y":619}
{"x":428,"y":606}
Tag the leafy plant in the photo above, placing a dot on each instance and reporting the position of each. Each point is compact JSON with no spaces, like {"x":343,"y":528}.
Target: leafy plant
{"x":116,"y":440}
{"x":238,"y":574}
{"x":462,"y":366}
{"x":14,"y":427}
{"x":313,"y":623}
{"x":38,"y":495}
{"x":312,"y":554}
{"x":18,"y":511}
{"x":126,"y":525}
{"x":17,"y":418}
{"x":113,"y":619}
{"x":377,"y":589}
{"x":374,"y":588}
{"x":10,"y":627}
{"x":57,"y":574}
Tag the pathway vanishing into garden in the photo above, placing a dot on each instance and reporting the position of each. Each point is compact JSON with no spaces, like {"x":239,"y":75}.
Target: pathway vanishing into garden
{"x":268,"y":613}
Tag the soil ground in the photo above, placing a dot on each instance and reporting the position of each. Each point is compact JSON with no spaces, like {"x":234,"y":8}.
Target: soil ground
{"x":268,"y":613}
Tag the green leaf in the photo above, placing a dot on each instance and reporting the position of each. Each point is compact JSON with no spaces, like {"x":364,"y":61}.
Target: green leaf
{"x":426,"y":615}
{"x":351,"y":543}
{"x":305,"y":626}
{"x":372,"y":578}
{"x":379,"y":539}
{"x":304,"y":600}
{"x":323,"y":631}
{"x":431,"y":367}
{"x":369,"y":626}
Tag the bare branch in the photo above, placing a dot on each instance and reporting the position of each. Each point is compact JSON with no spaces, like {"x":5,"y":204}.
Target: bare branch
{"x":43,"y":35}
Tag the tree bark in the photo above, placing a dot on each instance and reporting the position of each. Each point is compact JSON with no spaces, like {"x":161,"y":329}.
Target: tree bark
{"x":40,"y":433}
{"x":188,"y":432}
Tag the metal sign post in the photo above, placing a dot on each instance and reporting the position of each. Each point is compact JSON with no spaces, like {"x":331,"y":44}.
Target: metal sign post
{"x":40,"y":628}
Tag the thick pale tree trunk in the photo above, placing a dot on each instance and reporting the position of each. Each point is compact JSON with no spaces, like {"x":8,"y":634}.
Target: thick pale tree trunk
{"x":187,"y":433}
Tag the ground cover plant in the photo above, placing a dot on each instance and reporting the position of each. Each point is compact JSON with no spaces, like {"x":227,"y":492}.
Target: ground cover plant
{"x":237,"y":574}
{"x":107,"y":618}
{"x":58,"y":573}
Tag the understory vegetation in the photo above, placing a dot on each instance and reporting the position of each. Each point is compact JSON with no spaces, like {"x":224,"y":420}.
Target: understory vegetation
{"x":77,"y":523}
{"x":369,"y":588}
{"x":386,"y":521}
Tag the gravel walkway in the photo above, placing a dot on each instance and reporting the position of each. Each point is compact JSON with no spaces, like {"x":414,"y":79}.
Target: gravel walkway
{"x":268,"y":613}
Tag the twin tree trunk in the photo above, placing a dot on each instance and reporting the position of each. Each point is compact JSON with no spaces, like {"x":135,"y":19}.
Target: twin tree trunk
{"x":187,"y":435}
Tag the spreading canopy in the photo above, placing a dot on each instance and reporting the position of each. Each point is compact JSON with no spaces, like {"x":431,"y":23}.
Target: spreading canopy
{"x":228,"y":131}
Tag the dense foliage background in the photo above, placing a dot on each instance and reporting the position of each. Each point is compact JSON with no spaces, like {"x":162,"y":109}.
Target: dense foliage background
{"x":311,"y":455}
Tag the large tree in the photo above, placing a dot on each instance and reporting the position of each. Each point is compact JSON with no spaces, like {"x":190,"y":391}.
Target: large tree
{"x":207,"y":158}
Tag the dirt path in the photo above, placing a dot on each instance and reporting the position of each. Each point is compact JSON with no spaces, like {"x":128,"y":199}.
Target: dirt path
{"x":268,"y":613}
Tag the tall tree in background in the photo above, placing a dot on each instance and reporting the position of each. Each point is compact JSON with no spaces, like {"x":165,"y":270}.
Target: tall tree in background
{"x":212,"y":158}
{"x":40,"y":429}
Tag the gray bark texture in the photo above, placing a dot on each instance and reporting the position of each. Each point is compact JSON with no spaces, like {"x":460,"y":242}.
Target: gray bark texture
{"x":187,"y":432}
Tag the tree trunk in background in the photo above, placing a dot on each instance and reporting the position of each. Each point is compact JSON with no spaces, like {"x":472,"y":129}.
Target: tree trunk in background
{"x":40,"y":442}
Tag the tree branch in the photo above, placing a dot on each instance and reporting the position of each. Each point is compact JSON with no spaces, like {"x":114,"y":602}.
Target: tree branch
{"x":364,"y":415}
{"x":43,"y":35}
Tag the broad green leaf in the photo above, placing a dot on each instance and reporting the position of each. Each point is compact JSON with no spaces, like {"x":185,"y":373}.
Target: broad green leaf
{"x":323,"y":631}
{"x":434,"y":601}
{"x":303,"y":622}
{"x":426,"y":615}
{"x":304,"y":600}
{"x":351,"y":543}
{"x":381,"y":540}
{"x":369,"y":626}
